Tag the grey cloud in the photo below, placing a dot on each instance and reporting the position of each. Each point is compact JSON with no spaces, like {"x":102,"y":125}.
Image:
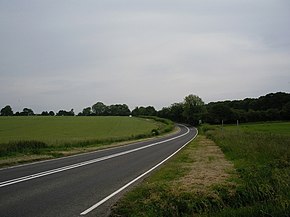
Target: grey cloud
{"x":73,"y":53}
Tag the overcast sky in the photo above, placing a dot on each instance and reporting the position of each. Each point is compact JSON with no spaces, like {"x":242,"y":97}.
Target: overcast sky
{"x":57,"y":54}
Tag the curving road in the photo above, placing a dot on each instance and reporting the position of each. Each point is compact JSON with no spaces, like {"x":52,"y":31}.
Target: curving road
{"x":86,"y":184}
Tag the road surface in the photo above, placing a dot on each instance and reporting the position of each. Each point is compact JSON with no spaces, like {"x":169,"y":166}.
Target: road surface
{"x":86,"y":184}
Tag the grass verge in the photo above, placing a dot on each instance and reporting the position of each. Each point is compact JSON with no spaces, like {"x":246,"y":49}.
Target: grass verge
{"x":262,"y":161}
{"x":183,"y":186}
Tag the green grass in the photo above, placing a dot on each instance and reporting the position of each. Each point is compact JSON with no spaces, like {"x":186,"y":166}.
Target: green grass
{"x":154,"y":197}
{"x":32,"y":134}
{"x":259,"y":187}
{"x":268,"y":127}
{"x":261,"y":155}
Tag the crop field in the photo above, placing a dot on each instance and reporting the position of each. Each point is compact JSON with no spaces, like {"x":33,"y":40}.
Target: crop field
{"x":249,"y":176}
{"x":41,"y":135}
{"x":60,"y":130}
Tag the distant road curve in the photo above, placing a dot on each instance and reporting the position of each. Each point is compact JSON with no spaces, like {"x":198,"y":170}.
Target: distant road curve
{"x":86,"y":184}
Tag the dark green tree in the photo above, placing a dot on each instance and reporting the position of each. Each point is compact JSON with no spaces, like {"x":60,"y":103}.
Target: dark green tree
{"x":118,"y":110}
{"x":100,"y":109}
{"x":145,"y":111}
{"x":150,"y":111}
{"x":65,"y":113}
{"x":27,"y":112}
{"x":6,"y":111}
{"x":220,"y":112}
{"x":285,"y":113}
{"x":164,"y":113}
{"x":44,"y":113}
{"x":194,"y":109}
{"x":87,"y":111}
{"x":176,"y":112}
{"x":135,"y":111}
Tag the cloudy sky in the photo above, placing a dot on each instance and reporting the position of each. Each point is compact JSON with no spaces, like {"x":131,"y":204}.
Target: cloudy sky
{"x":63,"y":54}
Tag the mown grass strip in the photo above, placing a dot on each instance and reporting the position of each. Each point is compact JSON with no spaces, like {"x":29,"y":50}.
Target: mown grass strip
{"x":182,"y":187}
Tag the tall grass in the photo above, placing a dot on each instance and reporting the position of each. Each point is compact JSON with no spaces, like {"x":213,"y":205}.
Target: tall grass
{"x":23,"y":147}
{"x":262,"y":161}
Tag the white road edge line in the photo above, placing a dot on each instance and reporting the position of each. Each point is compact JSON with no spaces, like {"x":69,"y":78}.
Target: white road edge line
{"x":134,"y":180}
{"x":61,"y":169}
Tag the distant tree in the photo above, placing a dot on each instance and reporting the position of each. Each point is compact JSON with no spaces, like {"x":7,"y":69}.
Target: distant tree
{"x":135,"y":111}
{"x":255,"y":116}
{"x":99,"y":109}
{"x":176,"y":112}
{"x":270,"y":107}
{"x":273,"y":115}
{"x":65,"y":113}
{"x":17,"y":114}
{"x":220,"y":112}
{"x":27,"y":112}
{"x":118,"y":110}
{"x":285,"y":113}
{"x":124,"y":110}
{"x":164,"y":113}
{"x":87,"y":111}
{"x":272,"y":101}
{"x":151,"y":111}
{"x":112,"y":110}
{"x":61,"y":113}
{"x":6,"y":111}
{"x":72,"y":112}
{"x":44,"y":113}
{"x":145,"y":111}
{"x":240,"y":115}
{"x":138,"y":111}
{"x":194,"y":109}
{"x":51,"y":113}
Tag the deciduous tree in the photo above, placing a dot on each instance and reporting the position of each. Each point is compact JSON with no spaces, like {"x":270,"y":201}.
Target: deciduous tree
{"x":193,"y":109}
{"x":6,"y":111}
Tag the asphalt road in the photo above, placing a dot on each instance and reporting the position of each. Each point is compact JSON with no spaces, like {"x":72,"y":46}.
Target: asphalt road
{"x":86,"y":184}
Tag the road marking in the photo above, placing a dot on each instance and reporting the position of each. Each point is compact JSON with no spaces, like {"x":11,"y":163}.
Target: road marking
{"x":61,"y":169}
{"x":134,"y":180}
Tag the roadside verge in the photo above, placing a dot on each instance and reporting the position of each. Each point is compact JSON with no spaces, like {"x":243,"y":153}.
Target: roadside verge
{"x":183,"y":186}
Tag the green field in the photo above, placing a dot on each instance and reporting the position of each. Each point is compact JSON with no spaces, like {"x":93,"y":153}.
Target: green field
{"x":268,"y":127}
{"x":60,"y":130}
{"x":39,"y":135}
{"x":258,"y":185}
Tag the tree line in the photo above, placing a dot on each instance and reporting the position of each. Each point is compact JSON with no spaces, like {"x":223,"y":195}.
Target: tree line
{"x":271,"y":107}
{"x":98,"y":109}
{"x":192,"y":110}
